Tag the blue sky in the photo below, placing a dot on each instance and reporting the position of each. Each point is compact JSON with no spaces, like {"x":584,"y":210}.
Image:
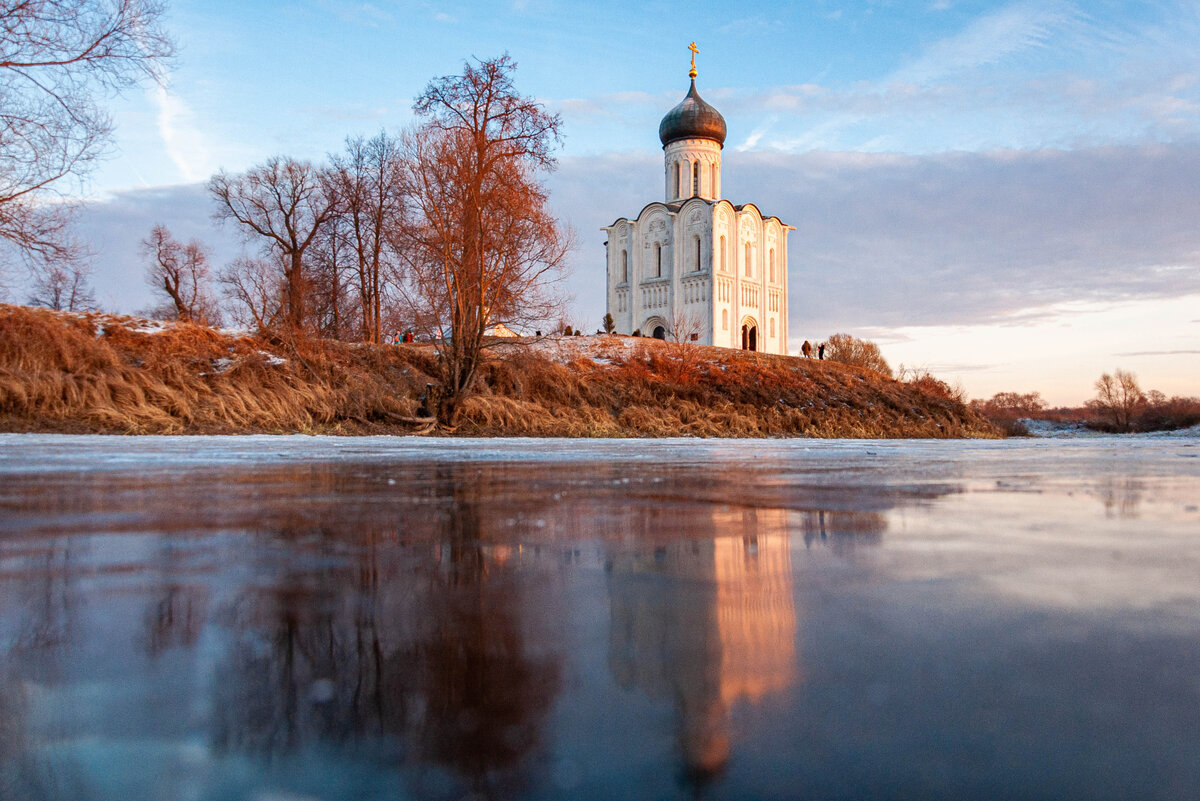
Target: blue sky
{"x":1007,"y":193}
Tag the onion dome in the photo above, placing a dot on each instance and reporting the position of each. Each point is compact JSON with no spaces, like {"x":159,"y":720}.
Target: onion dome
{"x":692,"y":119}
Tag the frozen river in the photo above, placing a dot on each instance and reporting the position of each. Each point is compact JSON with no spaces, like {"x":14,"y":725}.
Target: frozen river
{"x":297,"y":618}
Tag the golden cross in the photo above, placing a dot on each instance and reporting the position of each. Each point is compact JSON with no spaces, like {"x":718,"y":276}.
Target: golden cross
{"x":695,"y":50}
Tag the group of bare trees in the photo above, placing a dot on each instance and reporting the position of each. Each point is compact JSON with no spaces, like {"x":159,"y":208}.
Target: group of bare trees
{"x":444,"y":229}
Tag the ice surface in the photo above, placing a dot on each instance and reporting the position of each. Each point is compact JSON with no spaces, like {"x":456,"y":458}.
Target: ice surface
{"x":398,"y":617}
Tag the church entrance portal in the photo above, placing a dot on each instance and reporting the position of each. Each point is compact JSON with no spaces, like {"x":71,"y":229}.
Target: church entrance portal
{"x":749,"y":336}
{"x":660,"y":332}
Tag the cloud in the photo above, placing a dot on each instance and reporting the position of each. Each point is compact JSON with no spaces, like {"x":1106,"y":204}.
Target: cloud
{"x":757,"y":134}
{"x":992,"y":38}
{"x":887,"y":241}
{"x":114,"y":228}
{"x":181,"y":137}
{"x":882,"y":242}
{"x":1160,"y":353}
{"x":613,"y":105}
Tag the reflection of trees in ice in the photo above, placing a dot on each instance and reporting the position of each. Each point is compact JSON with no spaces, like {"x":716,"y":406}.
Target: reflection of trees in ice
{"x":42,"y":598}
{"x":841,"y":531}
{"x":417,"y":628}
{"x":414,"y":643}
{"x":1121,"y":496}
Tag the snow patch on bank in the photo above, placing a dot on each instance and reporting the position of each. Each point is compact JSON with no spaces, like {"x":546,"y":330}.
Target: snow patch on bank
{"x":1051,"y":429}
{"x":600,"y":349}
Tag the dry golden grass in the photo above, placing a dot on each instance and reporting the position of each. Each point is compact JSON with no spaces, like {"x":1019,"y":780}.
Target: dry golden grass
{"x":99,"y":373}
{"x":63,"y":372}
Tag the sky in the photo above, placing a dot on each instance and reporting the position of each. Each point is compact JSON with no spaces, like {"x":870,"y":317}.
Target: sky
{"x":1006,"y":194}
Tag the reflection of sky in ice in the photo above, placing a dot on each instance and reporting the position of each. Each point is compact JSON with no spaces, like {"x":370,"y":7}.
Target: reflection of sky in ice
{"x":282,"y":617}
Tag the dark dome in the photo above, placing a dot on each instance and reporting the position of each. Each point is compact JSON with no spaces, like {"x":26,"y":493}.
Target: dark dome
{"x":692,"y":119}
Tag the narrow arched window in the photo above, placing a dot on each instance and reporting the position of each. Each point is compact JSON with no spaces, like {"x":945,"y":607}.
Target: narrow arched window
{"x":772,"y":273}
{"x":723,"y":268}
{"x":749,"y":272}
{"x":695,"y":178}
{"x":624,"y":266}
{"x":712,"y":179}
{"x":657,"y":260}
{"x":724,"y":319}
{"x":697,"y":254}
{"x":772,"y":327}
{"x":675,"y":190}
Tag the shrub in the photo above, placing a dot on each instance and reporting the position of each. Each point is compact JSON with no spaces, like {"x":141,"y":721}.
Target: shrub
{"x":846,"y":349}
{"x":1006,"y":410}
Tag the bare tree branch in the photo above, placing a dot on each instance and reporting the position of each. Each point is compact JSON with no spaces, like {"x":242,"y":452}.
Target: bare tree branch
{"x":63,"y":286}
{"x":56,"y":58}
{"x":367,"y":182}
{"x":180,"y":272}
{"x":285,"y":202}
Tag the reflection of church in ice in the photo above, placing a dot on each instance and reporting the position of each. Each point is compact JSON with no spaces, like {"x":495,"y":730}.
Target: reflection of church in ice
{"x":722,"y":629}
{"x":696,"y":266}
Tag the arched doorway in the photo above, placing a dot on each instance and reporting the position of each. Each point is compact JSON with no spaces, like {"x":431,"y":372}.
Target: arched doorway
{"x":655,"y":327}
{"x":749,"y":335}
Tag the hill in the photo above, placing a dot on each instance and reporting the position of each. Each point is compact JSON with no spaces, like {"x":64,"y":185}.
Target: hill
{"x":111,"y":374}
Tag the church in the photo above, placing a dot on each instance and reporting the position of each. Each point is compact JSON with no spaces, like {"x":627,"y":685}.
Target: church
{"x":695,"y":267}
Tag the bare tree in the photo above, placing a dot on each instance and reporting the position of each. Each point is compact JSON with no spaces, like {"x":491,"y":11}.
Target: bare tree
{"x":180,"y":272}
{"x":1118,"y":398}
{"x":683,"y":325}
{"x":253,"y":287}
{"x":63,"y":286}
{"x":286,"y":202}
{"x":367,"y":182}
{"x":480,"y":244}
{"x":858,"y":352}
{"x":56,"y":58}
{"x":329,"y":266}
{"x":683,"y":329}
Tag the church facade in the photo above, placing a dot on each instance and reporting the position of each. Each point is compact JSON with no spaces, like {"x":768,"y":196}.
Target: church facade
{"x":695,"y":267}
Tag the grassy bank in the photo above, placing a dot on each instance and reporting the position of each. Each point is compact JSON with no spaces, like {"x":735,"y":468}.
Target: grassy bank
{"x":103,"y":373}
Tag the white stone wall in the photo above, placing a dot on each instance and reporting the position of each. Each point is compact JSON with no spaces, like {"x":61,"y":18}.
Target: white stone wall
{"x":721,"y":296}
{"x":652,"y":261}
{"x":680,"y":160}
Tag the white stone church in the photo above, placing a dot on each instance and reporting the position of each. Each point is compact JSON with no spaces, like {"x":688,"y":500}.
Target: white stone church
{"x":696,"y":267}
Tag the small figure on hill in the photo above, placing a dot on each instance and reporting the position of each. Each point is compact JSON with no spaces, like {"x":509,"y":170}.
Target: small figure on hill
{"x":821,"y":351}
{"x":806,"y":349}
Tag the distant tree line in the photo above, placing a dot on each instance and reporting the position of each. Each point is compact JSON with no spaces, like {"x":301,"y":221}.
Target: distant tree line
{"x":1120,"y":406}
